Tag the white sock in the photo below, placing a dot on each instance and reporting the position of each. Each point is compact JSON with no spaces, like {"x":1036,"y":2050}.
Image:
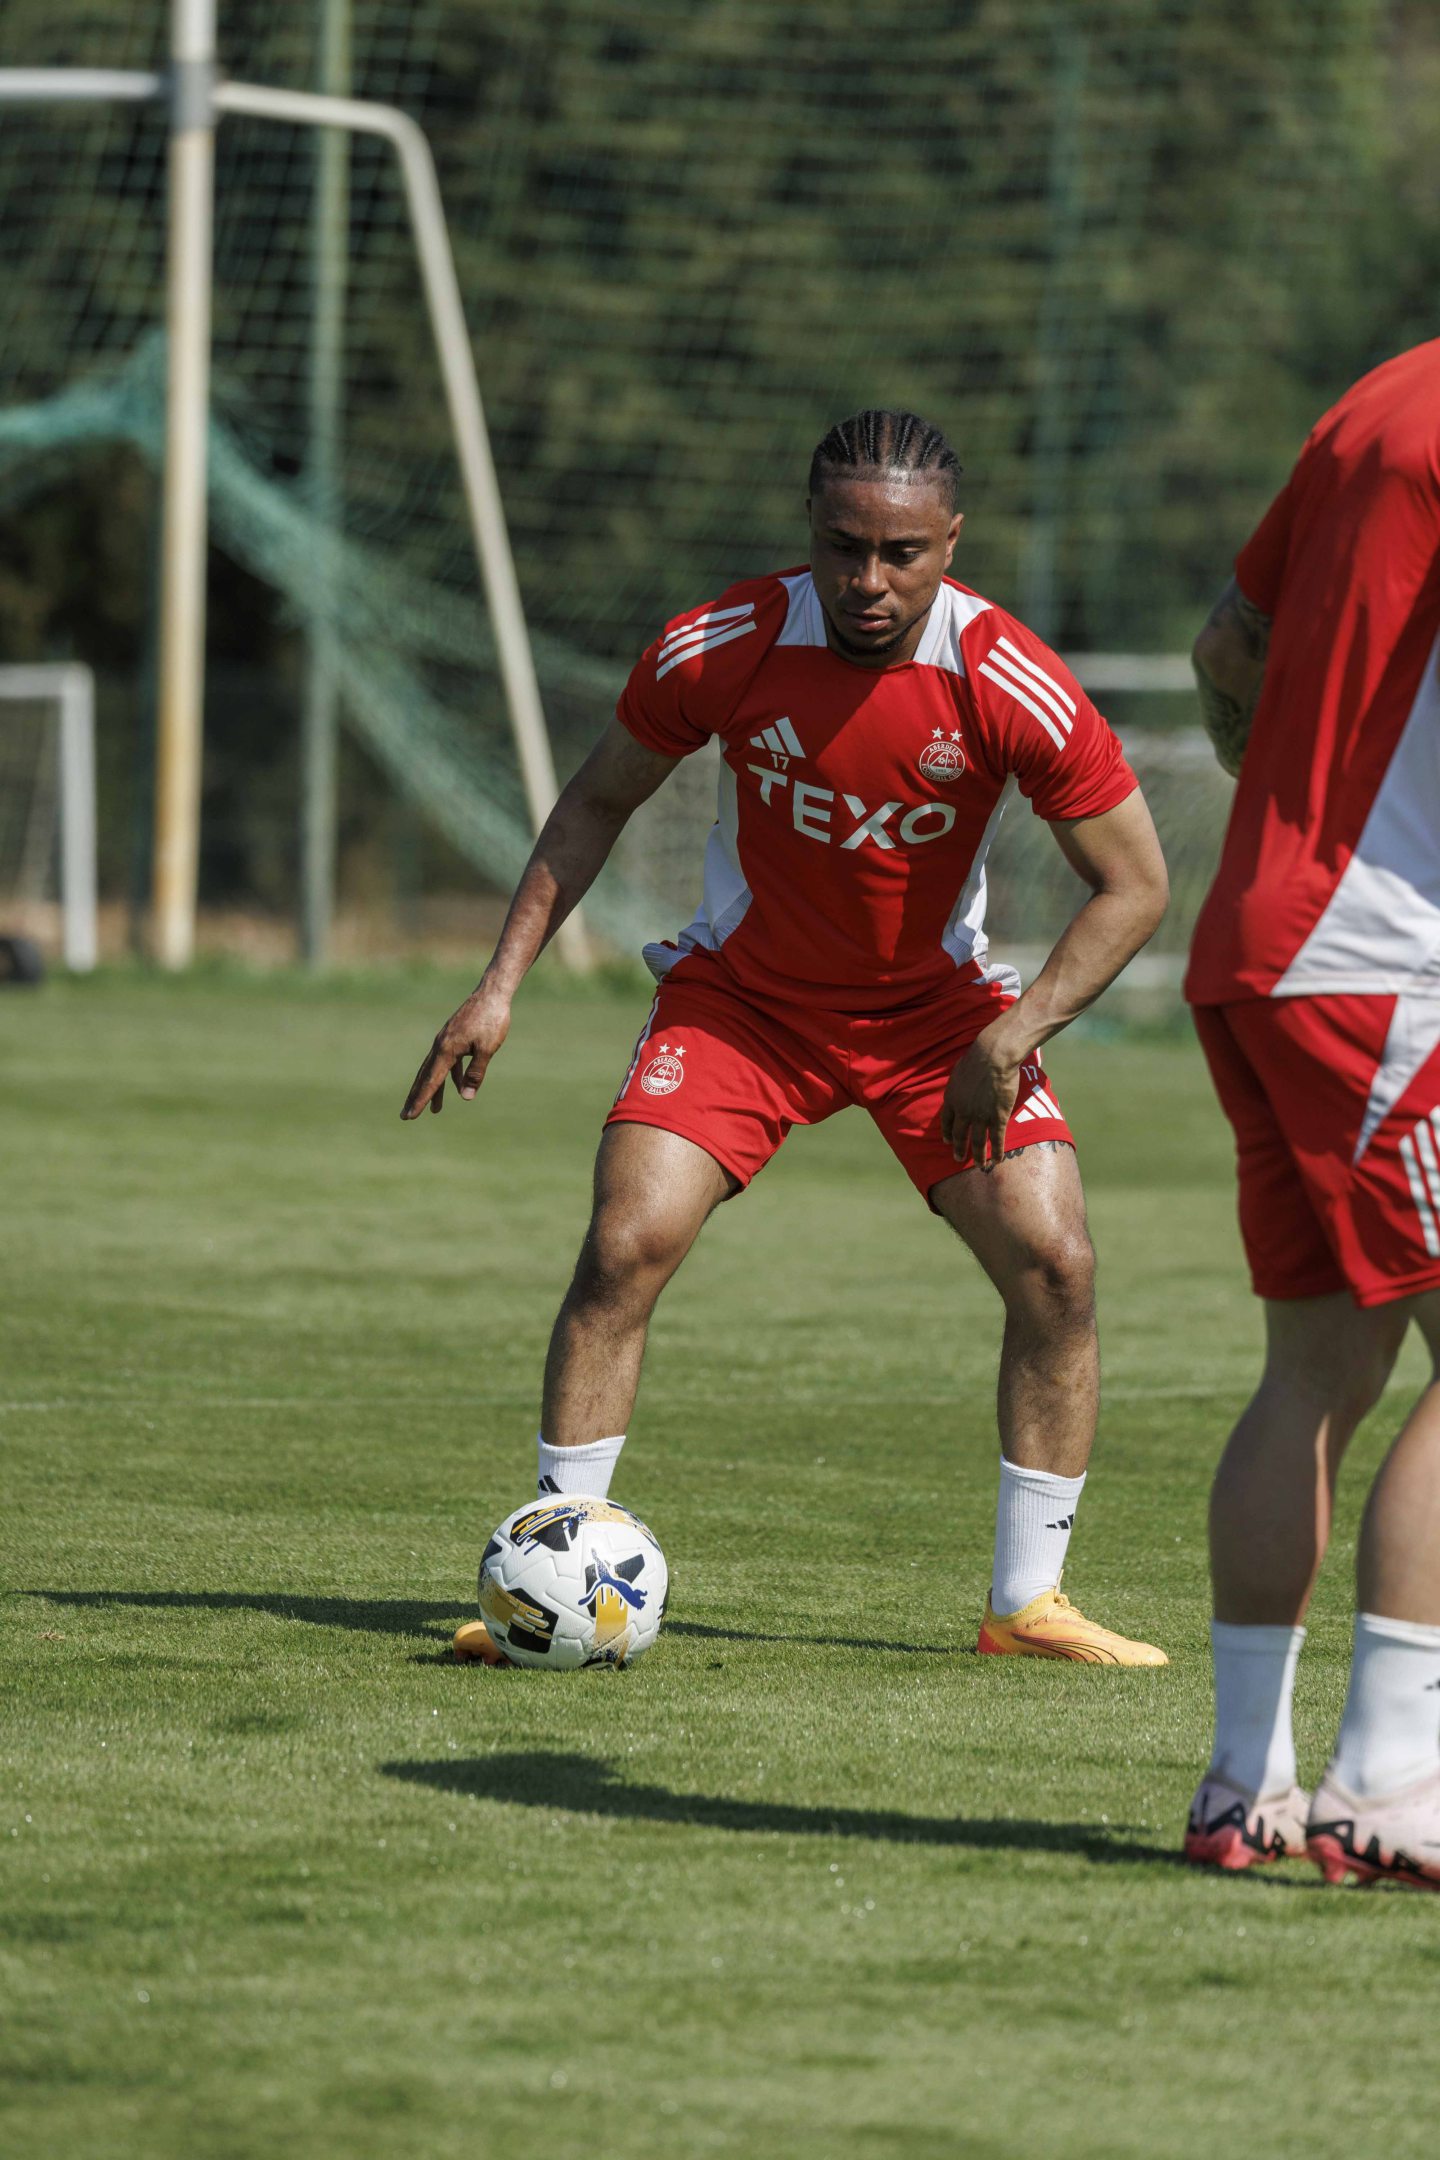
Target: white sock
{"x":1390,"y":1733}
{"x":1254,"y":1690}
{"x":587,"y":1469}
{"x":1033,"y":1520}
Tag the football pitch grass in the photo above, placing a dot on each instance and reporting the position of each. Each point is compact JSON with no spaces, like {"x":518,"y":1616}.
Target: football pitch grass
{"x":810,"y":1883}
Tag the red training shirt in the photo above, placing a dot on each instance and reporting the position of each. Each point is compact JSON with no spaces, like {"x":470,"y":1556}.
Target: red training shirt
{"x":846,"y":867}
{"x":1330,"y":876}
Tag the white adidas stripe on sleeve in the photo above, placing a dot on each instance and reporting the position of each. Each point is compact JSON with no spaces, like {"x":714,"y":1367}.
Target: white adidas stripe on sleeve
{"x":1021,"y":698}
{"x":1026,"y":681}
{"x":1033,"y":668}
{"x":1030,"y":687}
{"x":703,"y":622}
{"x":706,"y":642}
{"x":684,"y":639}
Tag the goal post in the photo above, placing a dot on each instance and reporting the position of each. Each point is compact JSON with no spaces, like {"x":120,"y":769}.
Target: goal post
{"x":49,"y":788}
{"x":195,"y":99}
{"x":488,"y":530}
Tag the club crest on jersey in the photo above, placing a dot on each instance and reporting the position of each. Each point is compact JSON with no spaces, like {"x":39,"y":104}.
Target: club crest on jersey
{"x":664,"y":1072}
{"x":942,"y":758}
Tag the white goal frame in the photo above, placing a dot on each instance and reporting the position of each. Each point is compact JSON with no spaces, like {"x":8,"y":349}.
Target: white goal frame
{"x":194,"y":97}
{"x":70,"y":687}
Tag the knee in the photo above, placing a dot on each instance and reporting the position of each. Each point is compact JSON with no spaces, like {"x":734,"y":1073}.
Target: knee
{"x":1370,"y":1383}
{"x":626,"y":1258}
{"x":1353,"y":1390}
{"x":1344,"y":1380}
{"x":1056,"y":1284}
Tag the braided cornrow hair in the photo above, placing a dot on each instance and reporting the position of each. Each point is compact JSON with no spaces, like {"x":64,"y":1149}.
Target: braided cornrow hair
{"x":880,"y":441}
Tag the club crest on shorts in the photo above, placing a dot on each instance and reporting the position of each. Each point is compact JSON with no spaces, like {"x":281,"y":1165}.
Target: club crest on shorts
{"x":942,"y":758}
{"x":664,"y":1072}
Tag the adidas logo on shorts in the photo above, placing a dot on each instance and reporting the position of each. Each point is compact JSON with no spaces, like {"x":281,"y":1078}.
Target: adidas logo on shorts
{"x":1038,"y":1104}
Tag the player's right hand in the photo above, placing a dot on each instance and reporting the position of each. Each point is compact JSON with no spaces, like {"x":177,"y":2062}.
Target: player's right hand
{"x":474,"y":1033}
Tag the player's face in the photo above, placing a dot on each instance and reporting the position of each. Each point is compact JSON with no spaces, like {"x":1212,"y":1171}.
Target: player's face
{"x":878,"y":550}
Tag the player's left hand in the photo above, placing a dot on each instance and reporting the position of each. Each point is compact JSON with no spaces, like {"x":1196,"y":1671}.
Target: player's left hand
{"x":979,"y":1100}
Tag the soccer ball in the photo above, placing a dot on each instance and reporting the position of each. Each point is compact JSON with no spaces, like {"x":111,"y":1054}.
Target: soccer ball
{"x":573,"y":1581}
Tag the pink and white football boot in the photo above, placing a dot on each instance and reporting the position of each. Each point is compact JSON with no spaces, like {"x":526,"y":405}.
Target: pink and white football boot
{"x":1395,"y":1838}
{"x":1231,"y":1828}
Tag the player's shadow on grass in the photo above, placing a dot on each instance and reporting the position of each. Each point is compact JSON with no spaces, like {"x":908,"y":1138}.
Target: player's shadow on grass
{"x":379,"y":1616}
{"x":582,"y":1785}
{"x":409,"y":1616}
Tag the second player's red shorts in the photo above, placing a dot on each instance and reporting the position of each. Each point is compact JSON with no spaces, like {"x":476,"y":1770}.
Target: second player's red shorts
{"x":734,"y":1073}
{"x":1337,"y":1140}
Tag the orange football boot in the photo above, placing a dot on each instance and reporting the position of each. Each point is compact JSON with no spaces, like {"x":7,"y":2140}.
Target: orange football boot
{"x":1049,"y":1626}
{"x":475,"y":1645}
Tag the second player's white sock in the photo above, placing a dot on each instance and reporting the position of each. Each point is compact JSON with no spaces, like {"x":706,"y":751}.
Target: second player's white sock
{"x":1254,"y":1689}
{"x":1033,"y":1520}
{"x":587,"y":1469}
{"x":1390,"y":1733}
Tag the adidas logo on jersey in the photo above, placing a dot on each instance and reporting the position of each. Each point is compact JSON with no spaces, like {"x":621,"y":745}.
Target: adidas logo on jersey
{"x":781,"y":741}
{"x":720,"y":627}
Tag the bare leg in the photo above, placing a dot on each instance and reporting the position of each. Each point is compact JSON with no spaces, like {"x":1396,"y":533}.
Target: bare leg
{"x":1399,"y":1561}
{"x":653,"y":1192}
{"x":1025,"y":1224}
{"x":1326,"y":1365}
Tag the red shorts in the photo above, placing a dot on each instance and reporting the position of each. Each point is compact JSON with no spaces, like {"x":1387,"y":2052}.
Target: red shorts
{"x":724,"y":1068}
{"x":1337,"y":1140}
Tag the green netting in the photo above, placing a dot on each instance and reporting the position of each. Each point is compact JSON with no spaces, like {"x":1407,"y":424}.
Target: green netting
{"x":1123,"y":252}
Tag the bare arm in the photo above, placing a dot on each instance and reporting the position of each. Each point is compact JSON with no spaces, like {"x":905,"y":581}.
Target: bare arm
{"x":1229,"y":662}
{"x":1118,"y":856}
{"x":579,"y":833}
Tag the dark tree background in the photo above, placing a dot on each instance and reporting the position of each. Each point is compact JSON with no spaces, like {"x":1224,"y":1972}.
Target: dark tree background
{"x":1125,"y":252}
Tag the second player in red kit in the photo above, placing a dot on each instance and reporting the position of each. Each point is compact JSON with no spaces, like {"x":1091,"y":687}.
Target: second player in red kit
{"x":874,"y":720}
{"x":1315,"y":977}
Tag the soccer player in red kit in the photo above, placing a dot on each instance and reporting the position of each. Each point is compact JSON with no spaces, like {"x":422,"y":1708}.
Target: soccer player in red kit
{"x":875,"y":718}
{"x":1315,"y":978}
